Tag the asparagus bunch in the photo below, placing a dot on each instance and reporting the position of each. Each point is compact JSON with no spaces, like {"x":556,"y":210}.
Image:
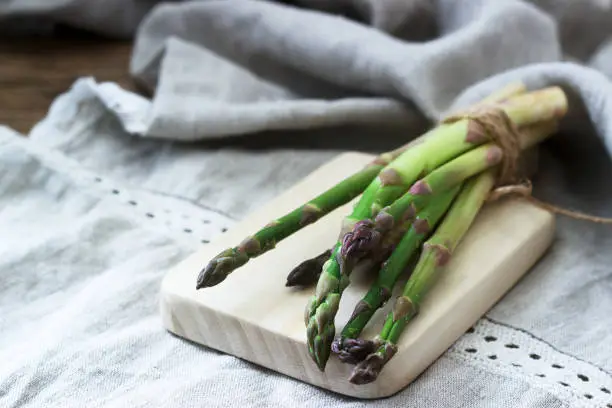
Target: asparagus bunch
{"x":448,"y":155}
{"x":439,"y":179}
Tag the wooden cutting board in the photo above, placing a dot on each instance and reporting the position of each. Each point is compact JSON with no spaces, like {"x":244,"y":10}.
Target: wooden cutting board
{"x":253,"y":316}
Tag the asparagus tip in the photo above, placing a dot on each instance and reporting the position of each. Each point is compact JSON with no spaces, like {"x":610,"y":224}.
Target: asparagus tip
{"x":307,"y":273}
{"x":369,"y":369}
{"x":220,"y":267}
{"x":321,"y":364}
{"x":322,"y":348}
{"x":301,"y":275}
{"x":359,"y":243}
{"x":320,"y":329}
{"x":209,"y":277}
{"x":352,"y":351}
{"x":365,"y":372}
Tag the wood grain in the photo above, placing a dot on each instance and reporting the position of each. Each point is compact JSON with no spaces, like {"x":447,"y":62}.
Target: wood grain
{"x":34,"y":71}
{"x":253,"y":316}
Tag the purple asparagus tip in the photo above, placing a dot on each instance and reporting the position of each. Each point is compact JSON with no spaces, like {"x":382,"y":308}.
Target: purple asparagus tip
{"x":212,"y":274}
{"x":369,"y":369}
{"x":307,"y":273}
{"x":352,"y":351}
{"x":359,"y":243}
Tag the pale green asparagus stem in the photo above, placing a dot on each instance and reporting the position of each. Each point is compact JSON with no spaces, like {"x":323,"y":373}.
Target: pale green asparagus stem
{"x":432,"y":263}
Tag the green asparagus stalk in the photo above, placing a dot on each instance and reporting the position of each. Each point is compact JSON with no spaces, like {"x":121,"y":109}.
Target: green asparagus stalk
{"x":432,"y":263}
{"x":352,"y":350}
{"x":438,"y":146}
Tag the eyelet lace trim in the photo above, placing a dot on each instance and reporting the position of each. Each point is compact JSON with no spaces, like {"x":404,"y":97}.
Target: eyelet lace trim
{"x":516,"y":353}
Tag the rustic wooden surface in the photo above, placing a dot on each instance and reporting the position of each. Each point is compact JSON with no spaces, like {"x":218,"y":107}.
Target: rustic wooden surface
{"x":35,"y":70}
{"x":252,"y":314}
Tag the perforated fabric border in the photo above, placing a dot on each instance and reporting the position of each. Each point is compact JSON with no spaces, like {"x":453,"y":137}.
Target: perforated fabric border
{"x":510,"y":351}
{"x":180,"y":218}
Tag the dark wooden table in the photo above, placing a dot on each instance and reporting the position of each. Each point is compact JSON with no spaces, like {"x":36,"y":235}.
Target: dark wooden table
{"x":35,"y":70}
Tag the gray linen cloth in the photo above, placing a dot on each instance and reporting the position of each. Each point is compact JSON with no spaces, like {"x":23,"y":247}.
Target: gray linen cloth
{"x":111,"y":189}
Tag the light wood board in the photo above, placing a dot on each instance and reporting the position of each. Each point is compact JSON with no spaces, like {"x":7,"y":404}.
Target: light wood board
{"x":253,"y":316}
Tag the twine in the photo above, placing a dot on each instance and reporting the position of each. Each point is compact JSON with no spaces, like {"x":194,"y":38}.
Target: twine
{"x":524,"y":190}
{"x":500,"y":129}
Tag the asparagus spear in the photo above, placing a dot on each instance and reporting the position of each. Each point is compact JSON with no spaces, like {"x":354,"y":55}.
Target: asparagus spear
{"x":432,"y":263}
{"x":441,"y":144}
{"x":352,"y":350}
